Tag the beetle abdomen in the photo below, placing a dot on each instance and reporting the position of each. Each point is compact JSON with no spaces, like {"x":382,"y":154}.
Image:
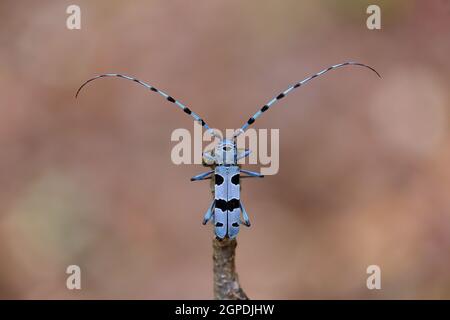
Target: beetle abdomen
{"x":227,"y":210}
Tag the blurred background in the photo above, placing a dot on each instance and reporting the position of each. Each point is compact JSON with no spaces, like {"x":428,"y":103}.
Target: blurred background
{"x":364,"y":162}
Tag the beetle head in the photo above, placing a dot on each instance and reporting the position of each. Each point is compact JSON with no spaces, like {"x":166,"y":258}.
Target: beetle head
{"x":225,"y":152}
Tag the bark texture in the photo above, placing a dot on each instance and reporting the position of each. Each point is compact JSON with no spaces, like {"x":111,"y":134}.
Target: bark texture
{"x":226,"y":282}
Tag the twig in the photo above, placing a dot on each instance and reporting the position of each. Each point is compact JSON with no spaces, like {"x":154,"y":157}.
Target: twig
{"x":226,"y":282}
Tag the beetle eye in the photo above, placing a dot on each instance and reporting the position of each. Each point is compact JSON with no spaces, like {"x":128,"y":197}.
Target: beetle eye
{"x":226,"y":148}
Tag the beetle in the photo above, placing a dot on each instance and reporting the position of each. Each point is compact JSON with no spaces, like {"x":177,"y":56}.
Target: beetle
{"x":226,"y":208}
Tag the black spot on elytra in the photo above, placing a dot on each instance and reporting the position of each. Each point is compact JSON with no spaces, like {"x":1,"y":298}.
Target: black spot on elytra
{"x":235,"y":224}
{"x":235,"y":179}
{"x":263,"y":109}
{"x":227,"y":205}
{"x":219,"y":224}
{"x":280,"y":96}
{"x":233,"y":204}
{"x":221,"y":204}
{"x":218,"y":179}
{"x":187,"y":110}
{"x":251,"y":120}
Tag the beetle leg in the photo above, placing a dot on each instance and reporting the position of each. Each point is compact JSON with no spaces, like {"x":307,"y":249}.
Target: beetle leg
{"x":252,"y":174}
{"x":202,"y":176}
{"x":209,"y":213}
{"x":208,"y":158}
{"x":243,"y":154}
{"x":246,"y":221}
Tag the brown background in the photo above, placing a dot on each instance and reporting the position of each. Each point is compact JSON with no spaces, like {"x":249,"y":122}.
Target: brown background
{"x":364,"y":175}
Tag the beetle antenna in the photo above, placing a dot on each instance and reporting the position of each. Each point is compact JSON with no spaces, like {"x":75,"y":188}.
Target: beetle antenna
{"x":295,"y":86}
{"x":152,"y":88}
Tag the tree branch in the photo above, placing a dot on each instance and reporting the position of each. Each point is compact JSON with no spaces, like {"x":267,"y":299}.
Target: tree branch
{"x":226,"y":282}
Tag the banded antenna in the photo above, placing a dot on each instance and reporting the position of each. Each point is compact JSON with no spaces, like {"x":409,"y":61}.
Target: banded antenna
{"x":295,"y":86}
{"x":154,"y":89}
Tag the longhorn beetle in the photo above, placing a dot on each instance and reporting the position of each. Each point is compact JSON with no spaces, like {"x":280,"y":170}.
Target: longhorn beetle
{"x":226,"y":208}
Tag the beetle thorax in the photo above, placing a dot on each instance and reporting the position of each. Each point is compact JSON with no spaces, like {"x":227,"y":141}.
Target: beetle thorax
{"x":225,"y":152}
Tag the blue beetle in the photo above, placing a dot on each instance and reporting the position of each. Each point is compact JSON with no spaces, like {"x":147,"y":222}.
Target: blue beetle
{"x":226,"y":209}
